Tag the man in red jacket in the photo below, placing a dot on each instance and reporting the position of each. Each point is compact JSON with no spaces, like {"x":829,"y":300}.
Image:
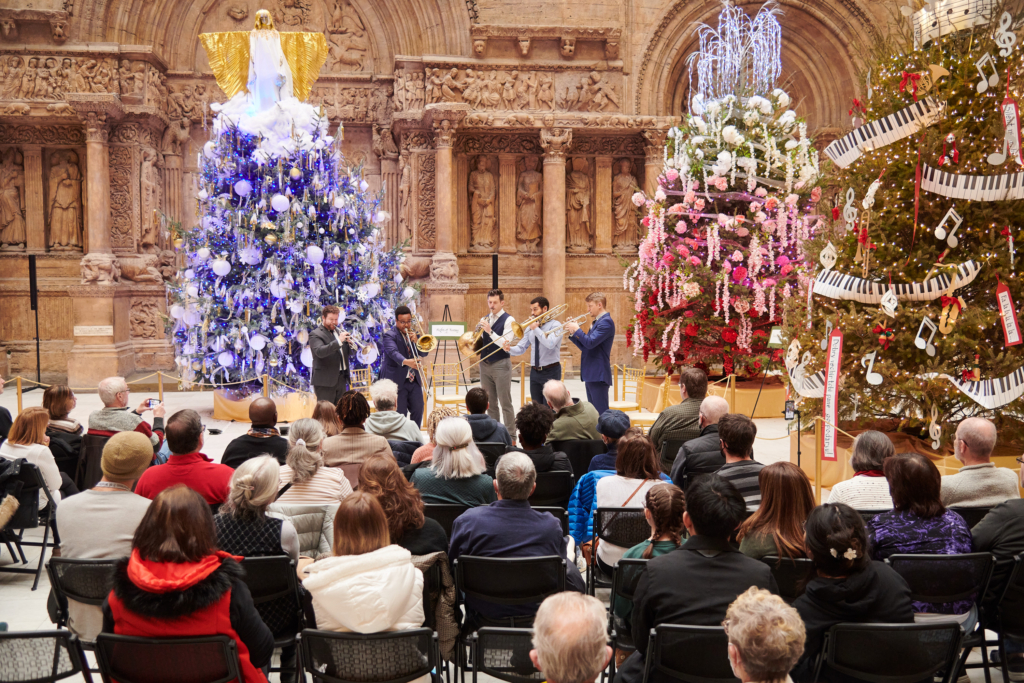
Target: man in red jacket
{"x":187,"y":465}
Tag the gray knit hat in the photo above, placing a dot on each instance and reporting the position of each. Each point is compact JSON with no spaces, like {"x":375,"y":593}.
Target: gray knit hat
{"x":126,"y":456}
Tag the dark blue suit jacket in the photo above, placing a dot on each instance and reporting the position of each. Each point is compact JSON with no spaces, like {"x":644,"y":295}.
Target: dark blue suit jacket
{"x":394,"y":351}
{"x":596,"y":345}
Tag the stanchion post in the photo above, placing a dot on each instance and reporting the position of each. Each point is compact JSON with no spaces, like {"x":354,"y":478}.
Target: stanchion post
{"x":732,"y":394}
{"x":817,"y":462}
{"x":616,"y":392}
{"x":266,"y":384}
{"x":522,"y":384}
{"x":18,"y":390}
{"x":160,"y":385}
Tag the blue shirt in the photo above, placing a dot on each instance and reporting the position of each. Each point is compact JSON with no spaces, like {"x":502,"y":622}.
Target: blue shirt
{"x":548,"y":348}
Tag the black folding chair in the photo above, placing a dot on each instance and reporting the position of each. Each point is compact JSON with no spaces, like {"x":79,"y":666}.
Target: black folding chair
{"x":444,"y":514}
{"x":669,"y":451}
{"x":791,"y":575}
{"x":1006,"y":616}
{"x":515,"y":581}
{"x":868,"y":515}
{"x":561,"y":514}
{"x":89,"y":471}
{"x":950,"y":578}
{"x":580,"y":452}
{"x":554,"y":489}
{"x":390,"y":657}
{"x":274,"y":586}
{"x":624,"y":580}
{"x":694,"y":654}
{"x":27,"y":517}
{"x":891,"y":653}
{"x":971,"y":515}
{"x":504,"y":653}
{"x":492,"y":452}
{"x":41,"y":657}
{"x":206,"y":659}
{"x":86,"y":581}
{"x":624,"y":527}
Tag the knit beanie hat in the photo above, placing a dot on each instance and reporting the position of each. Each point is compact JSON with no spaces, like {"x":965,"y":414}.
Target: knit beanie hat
{"x":126,"y":456}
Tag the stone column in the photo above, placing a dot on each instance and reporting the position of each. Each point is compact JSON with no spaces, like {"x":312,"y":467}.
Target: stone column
{"x":445,"y":118}
{"x":35,"y":201}
{"x":654,"y":149}
{"x":556,"y":142}
{"x":507,"y":210}
{"x":173,"y":202}
{"x":603,"y":205}
{"x":389,"y":180}
{"x":97,"y":162}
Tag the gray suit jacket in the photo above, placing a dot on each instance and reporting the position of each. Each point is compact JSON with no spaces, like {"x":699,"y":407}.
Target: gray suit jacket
{"x":326,"y":359}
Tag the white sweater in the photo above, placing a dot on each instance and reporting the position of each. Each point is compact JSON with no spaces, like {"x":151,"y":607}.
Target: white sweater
{"x":40,"y":456}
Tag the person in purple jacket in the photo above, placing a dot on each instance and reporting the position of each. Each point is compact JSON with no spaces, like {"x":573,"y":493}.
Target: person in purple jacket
{"x":400,"y":364}
{"x":596,"y":348}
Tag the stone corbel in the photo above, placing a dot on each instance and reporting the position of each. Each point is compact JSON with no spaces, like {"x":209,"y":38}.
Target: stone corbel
{"x":555,"y":141}
{"x":59,"y":30}
{"x":479,"y":46}
{"x":445,"y":118}
{"x":524,"y":46}
{"x":611,"y":50}
{"x":98,"y":111}
{"x":8,"y":28}
{"x":567,"y":46}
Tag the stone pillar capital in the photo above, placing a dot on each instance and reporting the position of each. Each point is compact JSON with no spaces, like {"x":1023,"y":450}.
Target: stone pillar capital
{"x":556,"y":142}
{"x":445,"y":118}
{"x":654,"y":145}
{"x":98,"y":113}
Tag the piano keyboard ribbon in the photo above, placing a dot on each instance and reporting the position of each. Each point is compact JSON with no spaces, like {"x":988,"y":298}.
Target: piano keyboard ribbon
{"x":977,"y":188}
{"x":837,"y":285}
{"x":993,"y":393}
{"x":884,"y":131}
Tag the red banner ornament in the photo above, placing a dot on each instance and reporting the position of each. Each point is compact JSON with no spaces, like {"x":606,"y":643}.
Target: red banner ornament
{"x":830,"y":404}
{"x":1008,"y":315}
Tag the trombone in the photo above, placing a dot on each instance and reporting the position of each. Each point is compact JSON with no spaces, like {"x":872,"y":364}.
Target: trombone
{"x":425,"y":343}
{"x":468,"y":342}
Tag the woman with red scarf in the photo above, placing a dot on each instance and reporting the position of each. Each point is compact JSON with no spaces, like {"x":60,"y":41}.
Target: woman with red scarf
{"x":177,"y":584}
{"x":869,"y":489}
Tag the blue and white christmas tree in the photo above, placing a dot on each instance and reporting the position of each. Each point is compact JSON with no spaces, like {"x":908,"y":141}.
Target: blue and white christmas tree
{"x":283,"y":228}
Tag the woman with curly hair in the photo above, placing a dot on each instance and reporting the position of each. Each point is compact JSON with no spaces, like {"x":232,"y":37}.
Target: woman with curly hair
{"x":426,"y":451}
{"x":403,"y":506}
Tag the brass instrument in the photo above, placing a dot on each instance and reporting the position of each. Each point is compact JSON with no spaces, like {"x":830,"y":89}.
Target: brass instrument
{"x":468,"y":342}
{"x":425,"y":343}
{"x":579,"y":320}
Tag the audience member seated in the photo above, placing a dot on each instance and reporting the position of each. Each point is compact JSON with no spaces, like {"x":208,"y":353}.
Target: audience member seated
{"x":5,"y":417}
{"x":736,"y":435}
{"x":99,"y":523}
{"x":457,"y":472}
{"x":426,"y":451}
{"x":177,"y":584}
{"x":675,"y":587}
{"x":573,"y":421}
{"x":979,"y":483}
{"x":918,"y":523}
{"x":27,"y":439}
{"x":702,"y":455}
{"x":312,"y":482}
{"x":868,"y":489}
{"x":569,"y":641}
{"x":766,"y":637}
{"x":777,"y":527}
{"x":387,"y":422}
{"x":187,"y":464}
{"x":681,"y":422}
{"x":849,"y":586}
{"x":354,"y":444}
{"x":611,"y":426}
{"x":327,"y":415}
{"x":509,"y":527}
{"x":369,"y":585}
{"x":403,"y":507}
{"x":636,"y":471}
{"x":263,"y":438}
{"x":533,"y":422}
{"x":485,"y":428}
{"x":115,"y":417}
{"x":243,"y":526}
{"x":663,"y":507}
{"x":65,"y":432}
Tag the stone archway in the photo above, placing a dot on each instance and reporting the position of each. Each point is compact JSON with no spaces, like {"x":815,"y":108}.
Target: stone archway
{"x":820,"y":74}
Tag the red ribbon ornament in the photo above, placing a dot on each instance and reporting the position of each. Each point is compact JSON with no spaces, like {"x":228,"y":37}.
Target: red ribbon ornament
{"x":912,"y":79}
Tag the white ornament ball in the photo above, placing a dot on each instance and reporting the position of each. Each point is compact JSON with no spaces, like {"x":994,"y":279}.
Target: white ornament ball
{"x":192,"y":317}
{"x":257,"y":342}
{"x":226,"y":359}
{"x":177,"y":312}
{"x":221,"y":267}
{"x":250,"y":256}
{"x":208,"y":149}
{"x":189,"y":274}
{"x":306,"y":357}
{"x":295,"y":306}
{"x":408,"y":293}
{"x":192,"y":290}
{"x":279,"y":203}
{"x":369,"y":290}
{"x":203,"y":194}
{"x":203,"y":253}
{"x":339,"y":202}
{"x":314,"y":254}
{"x":243,"y":188}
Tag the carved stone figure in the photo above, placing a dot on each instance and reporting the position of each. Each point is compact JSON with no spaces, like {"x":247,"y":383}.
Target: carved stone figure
{"x":64,"y":204}
{"x":65,"y":78}
{"x":347,"y":40}
{"x":384,"y":142}
{"x":418,"y":89}
{"x":481,"y":206}
{"x":444,"y":268}
{"x":546,"y":91}
{"x":452,"y":87}
{"x":149,"y":179}
{"x":626,"y":230}
{"x":12,"y":202}
{"x":28,"y":79}
{"x":144,"y":319}
{"x":414,"y":267}
{"x":238,"y":12}
{"x":577,"y":204}
{"x":292,"y":13}
{"x":166,"y":265}
{"x":434,"y":82}
{"x":567,"y":46}
{"x":404,"y":196}
{"x":524,"y":46}
{"x":14,"y":69}
{"x":472,"y":94}
{"x":530,"y":206}
{"x":399,"y":98}
{"x":142,"y":269}
{"x":100,"y":269}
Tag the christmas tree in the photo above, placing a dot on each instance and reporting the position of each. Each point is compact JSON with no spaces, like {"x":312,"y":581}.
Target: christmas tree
{"x":917,"y":254}
{"x":284,"y":229}
{"x":726,"y":227}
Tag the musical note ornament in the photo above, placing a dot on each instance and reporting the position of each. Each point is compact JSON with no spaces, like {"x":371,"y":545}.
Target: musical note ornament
{"x":850,"y":211}
{"x":889,"y":303}
{"x":1005,"y":38}
{"x":950,"y":236}
{"x":919,"y":340}
{"x":828,"y":331}
{"x":991,"y":81}
{"x":828,"y":256}
{"x":868,"y":362}
{"x":935,"y":429}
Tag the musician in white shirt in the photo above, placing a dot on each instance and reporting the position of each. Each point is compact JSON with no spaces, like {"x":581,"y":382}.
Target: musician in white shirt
{"x":496,"y":371}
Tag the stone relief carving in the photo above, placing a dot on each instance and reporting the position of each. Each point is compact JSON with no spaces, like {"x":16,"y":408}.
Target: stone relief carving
{"x":383,"y":143}
{"x":293,"y":14}
{"x":517,"y":90}
{"x":425,"y":225}
{"x":41,"y":135}
{"x":167,"y":265}
{"x":410,"y":91}
{"x":347,"y":39}
{"x":482,"y":194}
{"x":156,"y":90}
{"x":12,"y":201}
{"x":593,"y":93}
{"x":555,"y":141}
{"x":578,"y":187}
{"x":100,"y":269}
{"x":346,"y":104}
{"x":567,"y":46}
{"x":122,"y":208}
{"x":529,"y":206}
{"x":444,"y":268}
{"x":16,"y":109}
{"x":404,"y":196}
{"x":133,"y":79}
{"x":150,"y":184}
{"x":625,"y":223}
{"x":144,"y":319}
{"x":499,"y":143}
{"x":415,"y":267}
{"x":142,"y":268}
{"x":64,"y":203}
{"x":238,"y":12}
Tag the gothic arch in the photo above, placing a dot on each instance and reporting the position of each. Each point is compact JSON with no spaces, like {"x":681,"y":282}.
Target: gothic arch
{"x":819,"y":64}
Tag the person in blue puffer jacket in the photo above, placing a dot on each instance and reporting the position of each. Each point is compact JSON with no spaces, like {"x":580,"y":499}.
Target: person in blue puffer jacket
{"x":583,"y":503}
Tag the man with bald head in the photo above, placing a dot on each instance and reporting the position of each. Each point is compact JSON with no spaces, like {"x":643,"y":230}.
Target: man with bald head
{"x":703,"y":454}
{"x":979,"y":483}
{"x":262,"y":438}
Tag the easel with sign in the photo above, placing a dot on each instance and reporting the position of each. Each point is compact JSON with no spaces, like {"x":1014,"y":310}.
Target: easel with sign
{"x":444,"y":336}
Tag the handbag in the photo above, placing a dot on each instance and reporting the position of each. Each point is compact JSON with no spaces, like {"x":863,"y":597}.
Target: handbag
{"x":589,"y":549}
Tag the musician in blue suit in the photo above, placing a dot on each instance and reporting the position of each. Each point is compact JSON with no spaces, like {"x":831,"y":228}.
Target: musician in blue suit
{"x":400,"y":364}
{"x":596,"y":348}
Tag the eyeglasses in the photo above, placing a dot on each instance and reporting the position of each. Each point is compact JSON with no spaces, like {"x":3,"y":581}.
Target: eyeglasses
{"x":1020,"y":460}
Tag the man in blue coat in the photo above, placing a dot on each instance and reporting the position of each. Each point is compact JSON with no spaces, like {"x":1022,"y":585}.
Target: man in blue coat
{"x":596,"y":348}
{"x":400,"y":364}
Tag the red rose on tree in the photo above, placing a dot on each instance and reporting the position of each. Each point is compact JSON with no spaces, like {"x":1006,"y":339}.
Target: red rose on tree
{"x":692,"y":330}
{"x":729,"y":335}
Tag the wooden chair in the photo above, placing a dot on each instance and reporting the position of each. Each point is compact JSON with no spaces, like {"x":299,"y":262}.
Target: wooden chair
{"x":446,"y":376}
{"x":632,"y":390}
{"x":360,"y":381}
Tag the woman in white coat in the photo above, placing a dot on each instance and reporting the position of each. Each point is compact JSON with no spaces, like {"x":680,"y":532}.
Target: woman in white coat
{"x":369,"y":585}
{"x":28,"y":440}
